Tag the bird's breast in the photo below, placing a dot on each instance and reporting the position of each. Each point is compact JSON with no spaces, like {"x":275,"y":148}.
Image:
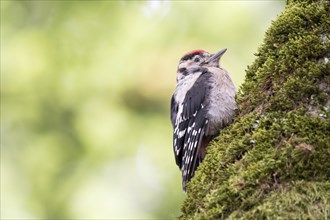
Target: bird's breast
{"x":222,"y":103}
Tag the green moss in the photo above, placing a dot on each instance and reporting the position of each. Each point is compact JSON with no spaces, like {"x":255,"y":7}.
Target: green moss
{"x":293,"y":47}
{"x":296,"y":200}
{"x":273,"y":161}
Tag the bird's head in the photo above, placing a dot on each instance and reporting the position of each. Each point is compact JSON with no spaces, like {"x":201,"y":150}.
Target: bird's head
{"x":199,"y":58}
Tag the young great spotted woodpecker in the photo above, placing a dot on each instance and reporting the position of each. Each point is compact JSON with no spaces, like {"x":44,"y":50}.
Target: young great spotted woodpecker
{"x":203,"y":102}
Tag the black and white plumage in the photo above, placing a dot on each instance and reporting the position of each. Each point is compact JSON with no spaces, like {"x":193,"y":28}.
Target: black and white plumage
{"x":203,"y":102}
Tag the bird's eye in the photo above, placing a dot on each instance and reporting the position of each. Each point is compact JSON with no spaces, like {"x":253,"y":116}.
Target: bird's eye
{"x":196,"y":59}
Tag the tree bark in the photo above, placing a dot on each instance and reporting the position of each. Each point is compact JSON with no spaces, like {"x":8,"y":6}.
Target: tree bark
{"x":274,"y":160}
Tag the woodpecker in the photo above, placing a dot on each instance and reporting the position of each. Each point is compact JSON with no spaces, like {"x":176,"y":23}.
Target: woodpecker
{"x":203,"y":102}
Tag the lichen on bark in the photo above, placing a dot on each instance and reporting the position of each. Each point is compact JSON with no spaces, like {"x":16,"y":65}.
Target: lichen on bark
{"x":274,"y":160}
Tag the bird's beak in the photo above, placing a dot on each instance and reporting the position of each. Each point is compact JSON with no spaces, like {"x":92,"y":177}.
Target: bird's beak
{"x":216,"y":57}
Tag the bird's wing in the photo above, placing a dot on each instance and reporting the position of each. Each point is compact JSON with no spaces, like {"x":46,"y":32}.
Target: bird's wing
{"x":174,"y":110}
{"x":189,"y":126}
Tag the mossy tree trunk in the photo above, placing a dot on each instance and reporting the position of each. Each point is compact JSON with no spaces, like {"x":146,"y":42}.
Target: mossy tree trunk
{"x":274,"y":160}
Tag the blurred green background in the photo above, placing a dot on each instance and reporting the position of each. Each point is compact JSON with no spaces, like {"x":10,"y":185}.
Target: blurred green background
{"x":85,"y":93}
